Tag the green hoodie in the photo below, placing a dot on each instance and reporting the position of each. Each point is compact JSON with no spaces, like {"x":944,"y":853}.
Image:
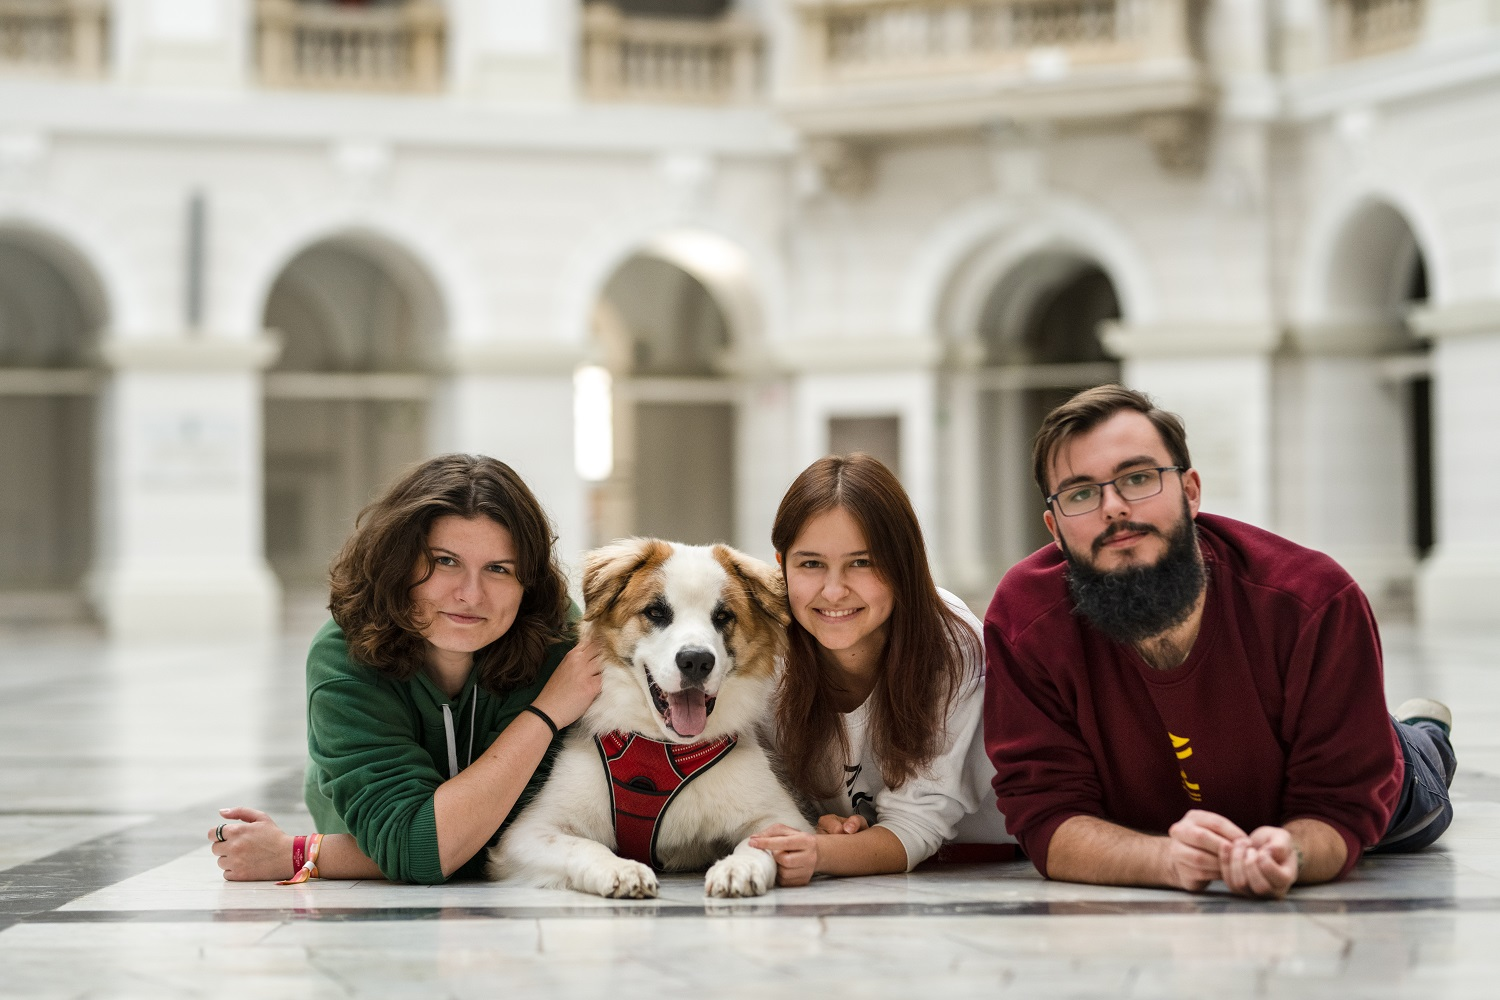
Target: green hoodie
{"x":379,"y":749}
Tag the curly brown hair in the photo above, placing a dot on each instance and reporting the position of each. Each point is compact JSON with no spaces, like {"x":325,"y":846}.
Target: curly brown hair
{"x":919,"y":674}
{"x":372,"y":577}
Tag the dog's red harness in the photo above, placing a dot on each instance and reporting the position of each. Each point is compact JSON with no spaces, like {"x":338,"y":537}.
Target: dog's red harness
{"x":645,"y":775}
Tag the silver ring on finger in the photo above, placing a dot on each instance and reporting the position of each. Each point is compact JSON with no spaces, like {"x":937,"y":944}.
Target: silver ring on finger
{"x":219,"y":833}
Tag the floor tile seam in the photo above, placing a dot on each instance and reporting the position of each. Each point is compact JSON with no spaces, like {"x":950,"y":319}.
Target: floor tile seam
{"x":742,"y":909}
{"x":74,"y":813}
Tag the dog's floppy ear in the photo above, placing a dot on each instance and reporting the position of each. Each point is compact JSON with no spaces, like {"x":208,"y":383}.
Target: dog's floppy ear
{"x":761,"y":581}
{"x":607,"y":571}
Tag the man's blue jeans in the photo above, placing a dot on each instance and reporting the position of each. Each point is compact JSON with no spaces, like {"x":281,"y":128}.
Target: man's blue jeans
{"x":1424,"y":810}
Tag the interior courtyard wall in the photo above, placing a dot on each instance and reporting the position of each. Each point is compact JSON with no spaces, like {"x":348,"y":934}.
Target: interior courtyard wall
{"x":1431,"y":154}
{"x":519,"y":215}
{"x":1189,"y":252}
{"x":502,"y":232}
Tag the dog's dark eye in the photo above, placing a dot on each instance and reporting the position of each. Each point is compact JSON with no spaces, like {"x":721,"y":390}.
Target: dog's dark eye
{"x":657,"y":613}
{"x":722,"y":617}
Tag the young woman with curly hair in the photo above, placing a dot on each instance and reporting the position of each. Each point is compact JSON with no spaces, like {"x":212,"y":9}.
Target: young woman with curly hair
{"x":435,"y":692}
{"x":878,"y":706}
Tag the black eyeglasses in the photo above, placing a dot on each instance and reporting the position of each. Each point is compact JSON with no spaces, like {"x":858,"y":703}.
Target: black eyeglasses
{"x":1081,"y":498}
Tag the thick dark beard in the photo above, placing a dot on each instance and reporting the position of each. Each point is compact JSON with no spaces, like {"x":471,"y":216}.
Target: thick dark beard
{"x":1135,"y":604}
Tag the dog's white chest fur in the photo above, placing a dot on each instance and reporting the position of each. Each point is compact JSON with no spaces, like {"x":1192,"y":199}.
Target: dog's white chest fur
{"x":691,"y":635}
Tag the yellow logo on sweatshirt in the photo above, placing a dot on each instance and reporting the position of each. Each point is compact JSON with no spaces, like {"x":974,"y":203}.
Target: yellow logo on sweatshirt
{"x":1181,"y":746}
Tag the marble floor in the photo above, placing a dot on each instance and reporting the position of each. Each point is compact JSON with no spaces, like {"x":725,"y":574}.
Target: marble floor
{"x":113,"y":760}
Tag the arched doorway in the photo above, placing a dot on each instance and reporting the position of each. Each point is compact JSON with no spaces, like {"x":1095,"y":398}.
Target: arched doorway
{"x":664,"y":339}
{"x":1038,"y":330}
{"x":346,"y":403}
{"x":1356,"y":403}
{"x":51,"y":311}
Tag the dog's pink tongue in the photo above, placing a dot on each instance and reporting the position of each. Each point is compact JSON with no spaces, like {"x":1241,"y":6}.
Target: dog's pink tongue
{"x":687,"y":711}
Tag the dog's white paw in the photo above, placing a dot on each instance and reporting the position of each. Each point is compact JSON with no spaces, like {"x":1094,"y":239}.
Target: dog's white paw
{"x":740,"y":875}
{"x":621,"y":879}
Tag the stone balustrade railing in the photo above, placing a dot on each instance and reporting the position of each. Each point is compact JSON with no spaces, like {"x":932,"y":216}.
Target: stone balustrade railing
{"x":675,"y":60}
{"x":1362,"y":28}
{"x":64,"y":37}
{"x":857,"y":40}
{"x":383,"y":48}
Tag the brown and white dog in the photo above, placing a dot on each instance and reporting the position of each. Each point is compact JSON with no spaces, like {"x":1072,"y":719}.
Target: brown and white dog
{"x":690,"y":635}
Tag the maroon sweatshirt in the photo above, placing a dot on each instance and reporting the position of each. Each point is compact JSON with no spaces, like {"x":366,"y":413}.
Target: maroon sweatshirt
{"x":1278,"y":713}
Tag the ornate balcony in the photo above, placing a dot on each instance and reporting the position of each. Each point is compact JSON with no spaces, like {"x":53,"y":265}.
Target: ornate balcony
{"x":55,"y":37}
{"x":1370,"y":27}
{"x":880,"y":66}
{"x":372,"y":47}
{"x":668,"y":59}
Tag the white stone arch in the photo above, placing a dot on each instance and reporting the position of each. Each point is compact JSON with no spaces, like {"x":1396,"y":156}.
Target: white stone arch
{"x":745,"y":282}
{"x":392,"y":239}
{"x":743,"y":277}
{"x":1323,"y":245}
{"x":1352,"y":422}
{"x":977,"y":244}
{"x":87,"y":259}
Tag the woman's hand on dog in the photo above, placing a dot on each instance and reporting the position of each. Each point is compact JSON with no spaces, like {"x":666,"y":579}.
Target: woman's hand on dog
{"x":254,"y":849}
{"x":795,"y":853}
{"x":574,"y":685}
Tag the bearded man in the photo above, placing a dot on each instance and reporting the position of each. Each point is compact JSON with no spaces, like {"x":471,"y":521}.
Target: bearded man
{"x":1174,"y":698}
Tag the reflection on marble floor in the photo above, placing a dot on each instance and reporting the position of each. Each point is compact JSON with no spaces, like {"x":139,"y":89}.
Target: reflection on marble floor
{"x":112,"y":761}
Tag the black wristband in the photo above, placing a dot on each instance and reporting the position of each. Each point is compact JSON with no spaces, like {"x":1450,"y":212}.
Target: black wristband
{"x":541,"y":715}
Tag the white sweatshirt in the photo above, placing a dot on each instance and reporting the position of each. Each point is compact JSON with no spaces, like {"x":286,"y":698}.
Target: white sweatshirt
{"x":955,"y":799}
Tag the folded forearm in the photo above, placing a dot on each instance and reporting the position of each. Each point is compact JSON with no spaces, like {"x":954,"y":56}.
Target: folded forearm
{"x":1088,"y":849}
{"x":339,"y":856}
{"x":1322,"y":849}
{"x":875,"y":851}
{"x":470,"y":807}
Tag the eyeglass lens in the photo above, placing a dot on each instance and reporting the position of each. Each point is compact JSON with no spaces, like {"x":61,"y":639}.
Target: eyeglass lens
{"x":1137,"y":485}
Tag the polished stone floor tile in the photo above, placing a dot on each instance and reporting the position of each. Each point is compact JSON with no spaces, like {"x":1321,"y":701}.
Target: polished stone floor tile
{"x":108,"y":887}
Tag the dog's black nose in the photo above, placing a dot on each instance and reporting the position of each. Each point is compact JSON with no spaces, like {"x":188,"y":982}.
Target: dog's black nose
{"x":695,"y":664}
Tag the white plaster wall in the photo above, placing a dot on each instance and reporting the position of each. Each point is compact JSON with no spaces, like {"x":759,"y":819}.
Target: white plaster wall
{"x":1434,"y":159}
{"x":1460,"y":580}
{"x":1200,"y":243}
{"x":520,"y":216}
{"x":1344,"y":468}
{"x":180,"y":552}
{"x":767,"y":457}
{"x":182,"y":43}
{"x":518,"y":52}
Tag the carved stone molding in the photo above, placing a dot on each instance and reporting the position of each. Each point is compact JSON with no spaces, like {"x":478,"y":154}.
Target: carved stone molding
{"x":1179,"y":139}
{"x":845,"y":167}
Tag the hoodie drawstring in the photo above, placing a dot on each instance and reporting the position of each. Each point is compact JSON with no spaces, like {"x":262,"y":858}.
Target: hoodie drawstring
{"x":452,"y":743}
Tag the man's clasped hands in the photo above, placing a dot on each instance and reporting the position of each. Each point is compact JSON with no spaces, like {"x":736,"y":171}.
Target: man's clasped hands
{"x":1204,"y":846}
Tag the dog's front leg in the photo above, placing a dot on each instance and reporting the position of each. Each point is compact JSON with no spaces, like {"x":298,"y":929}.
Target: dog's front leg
{"x":556,"y":842}
{"x":592,"y":867}
{"x":746,"y":871}
{"x":552,"y":859}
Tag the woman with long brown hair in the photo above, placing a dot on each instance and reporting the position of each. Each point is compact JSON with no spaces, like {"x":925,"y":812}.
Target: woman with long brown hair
{"x":878,"y":706}
{"x":435,"y":693}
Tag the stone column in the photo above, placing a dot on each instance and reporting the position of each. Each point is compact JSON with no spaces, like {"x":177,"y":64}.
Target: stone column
{"x":1218,"y":379}
{"x":1343,"y":447}
{"x":514,"y":402}
{"x":764,"y":458}
{"x":1458,"y":583}
{"x":181,"y":535}
{"x":963,"y":506}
